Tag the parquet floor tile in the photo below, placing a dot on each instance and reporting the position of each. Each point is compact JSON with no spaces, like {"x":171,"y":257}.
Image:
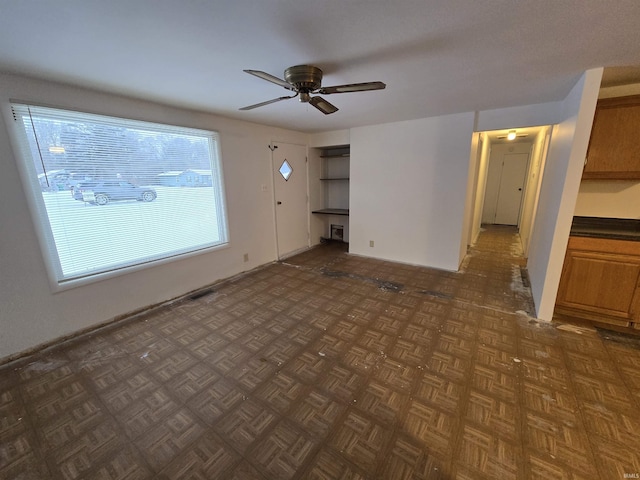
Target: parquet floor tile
{"x":328,"y":366}
{"x":360,"y":440}
{"x":283,"y":452}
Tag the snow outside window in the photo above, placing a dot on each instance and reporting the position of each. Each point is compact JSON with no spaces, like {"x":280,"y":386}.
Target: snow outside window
{"x":112,"y":193}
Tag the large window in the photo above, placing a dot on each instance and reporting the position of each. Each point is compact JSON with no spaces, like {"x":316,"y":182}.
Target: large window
{"x":112,"y":193}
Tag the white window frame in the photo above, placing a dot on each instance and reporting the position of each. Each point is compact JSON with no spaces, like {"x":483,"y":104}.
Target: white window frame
{"x":40,"y":218}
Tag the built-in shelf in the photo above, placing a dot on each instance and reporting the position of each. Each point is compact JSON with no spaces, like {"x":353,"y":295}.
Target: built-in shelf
{"x":332,"y":211}
{"x":334,"y":173}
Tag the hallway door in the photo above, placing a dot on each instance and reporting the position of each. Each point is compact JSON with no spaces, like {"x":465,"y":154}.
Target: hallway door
{"x":504,"y":188}
{"x":514,"y":171}
{"x":290,"y":191}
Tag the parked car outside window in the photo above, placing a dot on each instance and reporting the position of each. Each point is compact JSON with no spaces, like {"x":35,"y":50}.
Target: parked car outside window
{"x":104,"y":192}
{"x":76,"y":179}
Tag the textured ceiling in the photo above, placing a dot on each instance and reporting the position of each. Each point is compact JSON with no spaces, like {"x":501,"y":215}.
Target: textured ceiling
{"x":436,"y":57}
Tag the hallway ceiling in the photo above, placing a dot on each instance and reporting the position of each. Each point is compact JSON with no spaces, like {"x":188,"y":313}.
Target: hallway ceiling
{"x":435,"y":57}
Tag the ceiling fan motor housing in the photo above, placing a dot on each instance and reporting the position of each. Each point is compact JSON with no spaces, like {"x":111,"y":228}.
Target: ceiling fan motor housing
{"x":305,"y":78}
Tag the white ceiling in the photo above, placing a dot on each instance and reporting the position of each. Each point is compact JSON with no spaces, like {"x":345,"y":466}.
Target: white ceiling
{"x":436,"y":57}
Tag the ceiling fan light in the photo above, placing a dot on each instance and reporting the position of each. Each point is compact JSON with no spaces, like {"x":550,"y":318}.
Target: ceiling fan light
{"x":304,"y":97}
{"x":511,"y":135}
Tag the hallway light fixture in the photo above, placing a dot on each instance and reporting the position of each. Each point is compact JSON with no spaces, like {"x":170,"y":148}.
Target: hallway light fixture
{"x":511,"y":135}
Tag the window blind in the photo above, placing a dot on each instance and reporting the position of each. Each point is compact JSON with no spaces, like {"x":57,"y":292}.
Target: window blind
{"x":114,"y":192}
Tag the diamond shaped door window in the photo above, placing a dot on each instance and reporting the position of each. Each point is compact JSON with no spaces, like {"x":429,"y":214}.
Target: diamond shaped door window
{"x":285,"y":170}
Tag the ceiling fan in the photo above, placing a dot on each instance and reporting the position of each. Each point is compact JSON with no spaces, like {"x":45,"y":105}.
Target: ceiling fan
{"x":305,"y":80}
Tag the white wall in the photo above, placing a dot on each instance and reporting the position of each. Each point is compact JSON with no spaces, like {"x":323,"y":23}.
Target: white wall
{"x":480,"y":189}
{"x":333,"y":138}
{"x":475,"y":164}
{"x":408,"y":190}
{"x":559,"y":191}
{"x":317,"y":223}
{"x":30,"y":314}
{"x":532,"y":189}
{"x":609,"y":199}
{"x":521,"y":116}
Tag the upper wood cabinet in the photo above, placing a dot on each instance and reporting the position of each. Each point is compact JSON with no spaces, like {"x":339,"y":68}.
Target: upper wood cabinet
{"x":614,"y":148}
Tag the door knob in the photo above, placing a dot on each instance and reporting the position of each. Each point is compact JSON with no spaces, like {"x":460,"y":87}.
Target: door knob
{"x":279,"y":203}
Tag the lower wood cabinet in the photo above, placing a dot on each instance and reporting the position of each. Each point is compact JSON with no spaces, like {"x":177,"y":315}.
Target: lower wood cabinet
{"x":601,"y":281}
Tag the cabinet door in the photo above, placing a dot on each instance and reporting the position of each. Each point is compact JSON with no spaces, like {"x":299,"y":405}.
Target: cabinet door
{"x":614,"y":148}
{"x":601,"y":285}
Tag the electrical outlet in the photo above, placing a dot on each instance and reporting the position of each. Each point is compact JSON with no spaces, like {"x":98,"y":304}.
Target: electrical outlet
{"x":246,"y":257}
{"x":371,"y":243}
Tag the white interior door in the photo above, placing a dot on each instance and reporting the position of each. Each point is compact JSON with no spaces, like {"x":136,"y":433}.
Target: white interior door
{"x":290,"y":192}
{"x":514,"y":171}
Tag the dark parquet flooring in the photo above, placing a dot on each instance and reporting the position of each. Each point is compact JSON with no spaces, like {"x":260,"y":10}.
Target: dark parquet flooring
{"x":333,"y":366}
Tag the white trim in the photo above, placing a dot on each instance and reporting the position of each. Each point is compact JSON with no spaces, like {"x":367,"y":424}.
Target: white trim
{"x":98,"y":277}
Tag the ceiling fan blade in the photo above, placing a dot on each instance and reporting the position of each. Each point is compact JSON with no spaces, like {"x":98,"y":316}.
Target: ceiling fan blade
{"x":352,"y":87}
{"x":322,"y":105}
{"x":270,"y":78}
{"x":262,"y":104}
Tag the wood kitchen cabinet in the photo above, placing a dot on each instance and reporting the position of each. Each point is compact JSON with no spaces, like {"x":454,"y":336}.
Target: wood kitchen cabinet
{"x":614,"y":147}
{"x":601,"y":281}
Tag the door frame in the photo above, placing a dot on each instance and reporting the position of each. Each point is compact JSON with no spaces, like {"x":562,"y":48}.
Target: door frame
{"x":273,"y":145}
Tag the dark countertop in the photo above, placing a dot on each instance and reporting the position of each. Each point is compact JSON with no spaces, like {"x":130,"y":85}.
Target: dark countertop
{"x":613,"y":228}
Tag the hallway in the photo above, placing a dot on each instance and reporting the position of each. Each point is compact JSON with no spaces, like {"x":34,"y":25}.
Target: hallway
{"x":333,"y":366}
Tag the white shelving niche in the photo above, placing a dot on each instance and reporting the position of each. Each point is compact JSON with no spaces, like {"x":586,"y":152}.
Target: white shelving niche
{"x":331,"y":205}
